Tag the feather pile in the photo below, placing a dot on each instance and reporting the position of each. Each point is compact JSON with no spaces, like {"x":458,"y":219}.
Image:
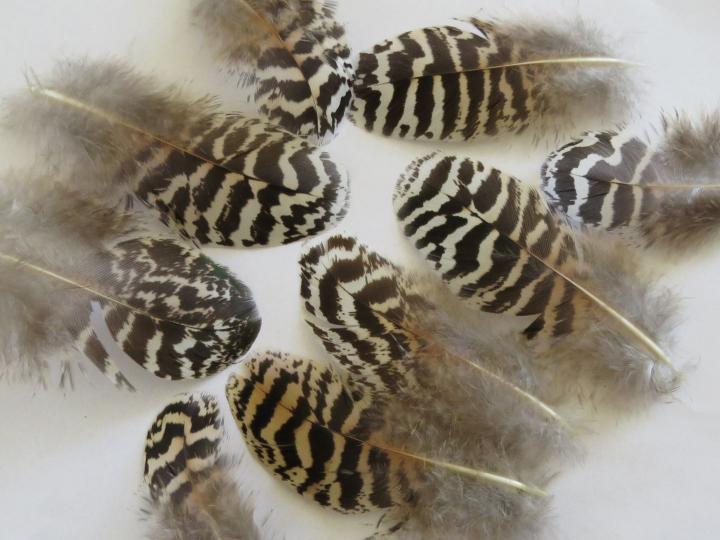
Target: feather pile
{"x":219,"y":179}
{"x":480,"y":78}
{"x":426,"y":418}
{"x":293,"y":52}
{"x":663,"y":192}
{"x":589,"y":303}
{"x":65,"y":256}
{"x":193,"y":495}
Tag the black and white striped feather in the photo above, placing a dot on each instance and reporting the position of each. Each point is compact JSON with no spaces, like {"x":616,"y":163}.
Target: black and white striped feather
{"x":217,"y":178}
{"x":293,"y":52}
{"x":481,"y":78}
{"x":193,"y":492}
{"x":499,"y":247}
{"x":65,"y":257}
{"x":661,"y":191}
{"x":349,"y":448}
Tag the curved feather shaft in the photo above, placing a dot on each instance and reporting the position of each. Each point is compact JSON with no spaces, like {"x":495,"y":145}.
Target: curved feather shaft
{"x":652,"y":347}
{"x":90,"y":290}
{"x":580,"y":60}
{"x":477,"y":474}
{"x":272,"y":30}
{"x":660,"y":186}
{"x":115,"y":119}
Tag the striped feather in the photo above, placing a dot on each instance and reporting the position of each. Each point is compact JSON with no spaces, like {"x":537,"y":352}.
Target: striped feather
{"x":499,"y":247}
{"x":347,"y":449}
{"x":170,"y":308}
{"x":219,"y":179}
{"x":294,"y":53}
{"x":193,"y":495}
{"x":664,"y":192}
{"x":480,"y":78}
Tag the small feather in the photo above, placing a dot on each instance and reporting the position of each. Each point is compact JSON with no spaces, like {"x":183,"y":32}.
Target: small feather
{"x":193,"y":495}
{"x":345,"y":447}
{"x":293,"y":51}
{"x":663,"y":191}
{"x":482,"y":78}
{"x":500,"y":248}
{"x":219,"y":179}
{"x":170,"y":308}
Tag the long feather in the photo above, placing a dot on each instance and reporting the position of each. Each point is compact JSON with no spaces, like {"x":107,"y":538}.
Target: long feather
{"x":193,"y":494}
{"x":499,"y":247}
{"x":293,"y":51}
{"x":355,"y":451}
{"x":481,"y":78}
{"x":220,"y":179}
{"x":64,"y":256}
{"x":661,"y":192}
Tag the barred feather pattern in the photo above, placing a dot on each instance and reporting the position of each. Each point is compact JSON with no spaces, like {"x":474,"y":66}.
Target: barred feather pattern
{"x":254,"y":185}
{"x":358,"y":304}
{"x":482,"y":78}
{"x":652,"y":193}
{"x":193,"y":495}
{"x":492,"y":239}
{"x":354,"y":451}
{"x":170,"y":308}
{"x":304,"y":424}
{"x":219,"y":179}
{"x":295,"y":54}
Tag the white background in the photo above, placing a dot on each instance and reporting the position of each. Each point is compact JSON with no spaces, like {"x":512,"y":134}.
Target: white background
{"x":70,"y":464}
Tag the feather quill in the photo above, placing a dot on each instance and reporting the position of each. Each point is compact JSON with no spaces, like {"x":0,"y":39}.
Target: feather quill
{"x":219,"y":179}
{"x":353,"y":450}
{"x":64,"y":256}
{"x":293,"y":52}
{"x":480,"y":78}
{"x":193,"y":495}
{"x":662,"y":192}
{"x":500,"y":248}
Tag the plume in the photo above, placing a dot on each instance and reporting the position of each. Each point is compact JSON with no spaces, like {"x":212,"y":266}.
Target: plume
{"x":392,"y":329}
{"x":498,"y":246}
{"x":193,"y":493}
{"x":219,"y":179}
{"x":354,"y":450}
{"x":65,"y":256}
{"x":479,"y":78}
{"x":292,"y":51}
{"x":662,"y":191}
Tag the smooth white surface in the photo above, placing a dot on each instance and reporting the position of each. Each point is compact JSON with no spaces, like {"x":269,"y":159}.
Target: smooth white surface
{"x":70,"y":465}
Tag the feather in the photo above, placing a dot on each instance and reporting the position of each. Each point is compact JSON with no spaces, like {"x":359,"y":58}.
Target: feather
{"x":219,"y":179}
{"x":293,"y":51}
{"x":352,"y":450}
{"x":499,"y":247}
{"x":193,"y":495}
{"x":480,"y":78}
{"x":663,"y":192}
{"x":390,"y":328}
{"x":64,"y":256}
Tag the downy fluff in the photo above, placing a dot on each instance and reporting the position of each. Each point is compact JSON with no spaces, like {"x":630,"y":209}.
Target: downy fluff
{"x":662,"y":191}
{"x":294,"y":54}
{"x":217,"y":178}
{"x":193,"y":492}
{"x":482,"y":78}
